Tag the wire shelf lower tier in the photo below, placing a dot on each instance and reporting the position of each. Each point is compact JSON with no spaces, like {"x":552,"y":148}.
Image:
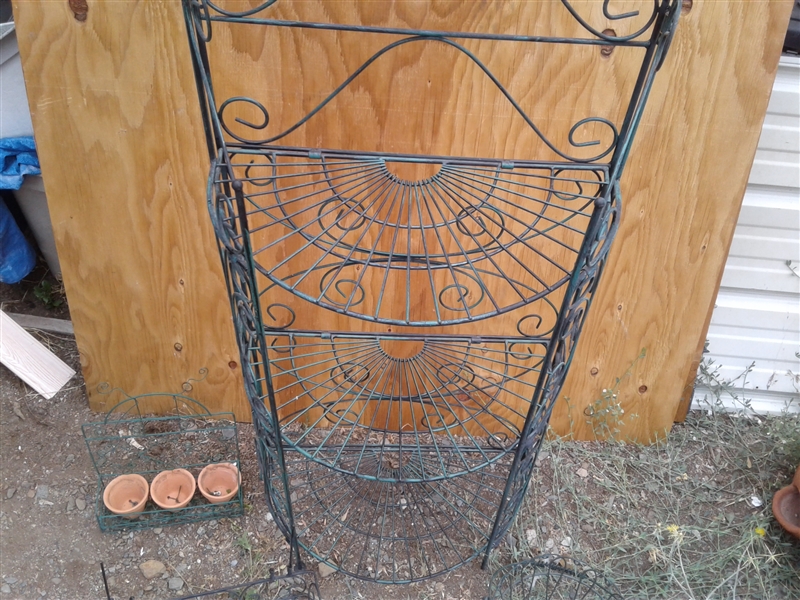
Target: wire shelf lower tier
{"x":392,"y":532}
{"x":468,"y":240}
{"x":434,"y":407}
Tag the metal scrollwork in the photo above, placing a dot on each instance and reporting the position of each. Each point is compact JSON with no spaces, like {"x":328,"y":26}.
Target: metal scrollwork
{"x":248,"y":124}
{"x":201,"y":19}
{"x":465,"y":299}
{"x":271,"y":311}
{"x":614,"y":17}
{"x":259,"y":126}
{"x":347,"y":297}
{"x":241,"y":13}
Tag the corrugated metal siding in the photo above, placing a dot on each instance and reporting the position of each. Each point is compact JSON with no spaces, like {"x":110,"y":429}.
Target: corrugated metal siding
{"x":757,"y":314}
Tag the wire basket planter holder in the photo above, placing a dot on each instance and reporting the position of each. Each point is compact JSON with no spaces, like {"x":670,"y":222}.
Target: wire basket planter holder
{"x":299,"y":585}
{"x":131,"y":440}
{"x":399,"y":444}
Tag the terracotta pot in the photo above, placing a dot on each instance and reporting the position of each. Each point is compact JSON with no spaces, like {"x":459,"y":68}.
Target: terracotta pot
{"x":173,"y":489}
{"x":219,"y":482}
{"x":126,"y":495}
{"x":786,"y":506}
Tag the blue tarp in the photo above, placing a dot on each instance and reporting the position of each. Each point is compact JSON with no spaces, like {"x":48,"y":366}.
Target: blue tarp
{"x":17,"y":258}
{"x":17,"y":159}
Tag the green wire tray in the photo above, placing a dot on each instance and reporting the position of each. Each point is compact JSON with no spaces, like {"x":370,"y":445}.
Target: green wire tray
{"x":130,"y":439}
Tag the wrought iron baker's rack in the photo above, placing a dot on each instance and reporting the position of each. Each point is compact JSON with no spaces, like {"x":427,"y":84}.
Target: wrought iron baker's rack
{"x":401,"y":447}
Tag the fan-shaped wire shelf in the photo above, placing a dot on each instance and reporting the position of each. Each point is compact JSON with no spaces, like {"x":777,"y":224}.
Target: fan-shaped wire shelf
{"x":476,"y":239}
{"x":388,"y":531}
{"x":360,"y":404}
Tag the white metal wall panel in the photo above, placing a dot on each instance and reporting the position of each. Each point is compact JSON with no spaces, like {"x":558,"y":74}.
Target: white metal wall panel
{"x":756,"y":319}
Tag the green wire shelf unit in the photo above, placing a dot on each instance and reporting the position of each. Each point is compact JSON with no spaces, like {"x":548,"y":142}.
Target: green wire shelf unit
{"x":400,"y":446}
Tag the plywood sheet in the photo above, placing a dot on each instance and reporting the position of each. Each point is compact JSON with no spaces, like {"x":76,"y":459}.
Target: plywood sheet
{"x":121,"y":143}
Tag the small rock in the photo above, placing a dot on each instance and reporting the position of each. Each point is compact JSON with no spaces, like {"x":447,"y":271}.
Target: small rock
{"x":234,"y":563}
{"x":201,"y":530}
{"x":5,"y":588}
{"x":148,"y":588}
{"x":11,"y":580}
{"x":530,"y":535}
{"x":549,"y":543}
{"x":41,"y":492}
{"x":566,"y":542}
{"x":175,"y":583}
{"x":80,"y":503}
{"x":56,"y":580}
{"x":583,"y":473}
{"x":70,"y":504}
{"x":158,"y":530}
{"x":45,"y":502}
{"x":228,"y":433}
{"x":587,"y":527}
{"x":269,"y":517}
{"x":152,"y":568}
{"x":31,"y":494}
{"x":70,"y":458}
{"x":326,"y":570}
{"x":10,"y":493}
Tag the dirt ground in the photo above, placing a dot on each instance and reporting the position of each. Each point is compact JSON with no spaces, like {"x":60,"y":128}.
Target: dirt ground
{"x":688,"y":518}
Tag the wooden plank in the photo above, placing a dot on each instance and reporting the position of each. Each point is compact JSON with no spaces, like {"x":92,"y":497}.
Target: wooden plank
{"x":120,"y":140}
{"x":30,"y":360}
{"x":43,"y":323}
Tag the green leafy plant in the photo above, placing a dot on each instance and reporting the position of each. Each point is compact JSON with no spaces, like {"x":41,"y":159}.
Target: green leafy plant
{"x":48,"y":294}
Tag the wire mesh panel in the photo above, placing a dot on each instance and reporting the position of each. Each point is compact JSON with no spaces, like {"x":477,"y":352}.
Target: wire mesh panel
{"x":406,"y":319}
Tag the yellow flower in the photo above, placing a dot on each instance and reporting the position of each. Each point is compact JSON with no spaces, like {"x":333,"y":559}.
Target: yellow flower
{"x":760,"y":531}
{"x":673,"y":529}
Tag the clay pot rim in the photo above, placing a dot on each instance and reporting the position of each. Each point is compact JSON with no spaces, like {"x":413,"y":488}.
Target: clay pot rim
{"x":223,"y":465}
{"x":776,"y":501}
{"x":164,"y":475}
{"x":116,"y":481}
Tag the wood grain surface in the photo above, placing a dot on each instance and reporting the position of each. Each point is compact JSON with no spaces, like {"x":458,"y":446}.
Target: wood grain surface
{"x":121,"y":143}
